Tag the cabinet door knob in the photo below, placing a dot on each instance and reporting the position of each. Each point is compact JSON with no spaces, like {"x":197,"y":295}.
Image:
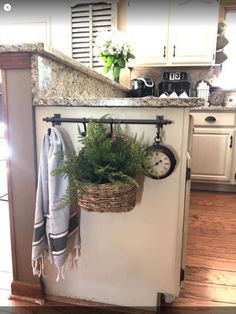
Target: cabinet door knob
{"x":210,"y":119}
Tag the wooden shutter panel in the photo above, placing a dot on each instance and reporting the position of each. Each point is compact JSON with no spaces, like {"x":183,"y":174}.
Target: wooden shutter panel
{"x":87,"y":20}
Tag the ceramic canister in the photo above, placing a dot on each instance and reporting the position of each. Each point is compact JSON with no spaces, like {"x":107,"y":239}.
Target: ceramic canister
{"x":230,"y":99}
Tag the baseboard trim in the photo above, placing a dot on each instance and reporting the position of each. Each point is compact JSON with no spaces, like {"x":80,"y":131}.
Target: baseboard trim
{"x":217,"y":187}
{"x":64,"y":301}
{"x":28,"y":291}
{"x":28,"y":300}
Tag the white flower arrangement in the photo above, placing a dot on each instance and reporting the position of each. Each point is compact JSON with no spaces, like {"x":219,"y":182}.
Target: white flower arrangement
{"x":114,"y":50}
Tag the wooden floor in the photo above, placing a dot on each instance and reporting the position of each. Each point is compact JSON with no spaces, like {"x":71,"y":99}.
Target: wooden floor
{"x":210,"y":278}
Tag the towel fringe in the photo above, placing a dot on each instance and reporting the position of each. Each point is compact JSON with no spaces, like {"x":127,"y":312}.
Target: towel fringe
{"x":58,"y":273}
{"x":62,"y":272}
{"x":43,"y":265}
{"x":35,"y":267}
{"x":38,"y":265}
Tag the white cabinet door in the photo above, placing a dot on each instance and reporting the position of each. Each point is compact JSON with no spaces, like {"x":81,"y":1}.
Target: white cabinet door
{"x":32,"y":32}
{"x":193,"y":31}
{"x":147,"y":28}
{"x":212,"y":154}
{"x":180,"y":32}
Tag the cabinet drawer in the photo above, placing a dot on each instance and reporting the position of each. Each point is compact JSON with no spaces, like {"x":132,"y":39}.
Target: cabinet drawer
{"x":214,"y":119}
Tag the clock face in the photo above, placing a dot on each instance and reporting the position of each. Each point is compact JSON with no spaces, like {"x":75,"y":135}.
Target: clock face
{"x":161,"y":162}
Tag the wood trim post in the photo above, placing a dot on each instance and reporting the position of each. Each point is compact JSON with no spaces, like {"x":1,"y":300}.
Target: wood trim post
{"x":12,"y":62}
{"x":11,"y":216}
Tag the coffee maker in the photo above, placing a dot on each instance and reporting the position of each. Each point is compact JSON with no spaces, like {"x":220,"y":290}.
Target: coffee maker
{"x":141,"y":87}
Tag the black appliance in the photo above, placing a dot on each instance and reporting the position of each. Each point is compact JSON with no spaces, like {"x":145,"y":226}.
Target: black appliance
{"x":141,"y":87}
{"x":174,"y":82}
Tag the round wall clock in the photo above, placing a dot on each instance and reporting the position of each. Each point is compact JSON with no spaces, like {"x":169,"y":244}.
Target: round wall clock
{"x":161,"y":162}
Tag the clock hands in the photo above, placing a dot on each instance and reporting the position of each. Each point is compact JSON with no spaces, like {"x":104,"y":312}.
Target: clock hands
{"x":156,"y":163}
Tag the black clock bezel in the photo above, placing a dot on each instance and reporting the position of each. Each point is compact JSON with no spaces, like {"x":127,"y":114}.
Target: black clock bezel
{"x":169,"y":154}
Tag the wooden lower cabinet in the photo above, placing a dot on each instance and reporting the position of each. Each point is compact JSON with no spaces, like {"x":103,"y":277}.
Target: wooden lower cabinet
{"x":213,"y":151}
{"x":212,"y":154}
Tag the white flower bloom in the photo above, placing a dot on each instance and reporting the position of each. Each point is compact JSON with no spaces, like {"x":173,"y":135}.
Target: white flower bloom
{"x":114,"y":42}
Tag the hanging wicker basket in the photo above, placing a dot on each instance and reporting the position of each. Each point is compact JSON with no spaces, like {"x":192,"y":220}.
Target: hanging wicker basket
{"x":108,"y":198}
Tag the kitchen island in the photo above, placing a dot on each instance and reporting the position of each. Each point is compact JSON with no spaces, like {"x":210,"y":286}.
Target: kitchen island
{"x":126,"y":259}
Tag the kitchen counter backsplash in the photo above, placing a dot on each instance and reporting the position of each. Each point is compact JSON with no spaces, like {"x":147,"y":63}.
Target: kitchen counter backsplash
{"x":194,"y":75}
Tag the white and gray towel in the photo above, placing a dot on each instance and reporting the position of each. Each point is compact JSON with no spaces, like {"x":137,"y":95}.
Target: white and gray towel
{"x":56,"y":230}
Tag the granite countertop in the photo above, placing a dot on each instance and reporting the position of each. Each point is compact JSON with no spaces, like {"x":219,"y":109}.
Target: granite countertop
{"x":68,"y":100}
{"x":213,"y":109}
{"x":44,"y":50}
{"x":149,"y":101}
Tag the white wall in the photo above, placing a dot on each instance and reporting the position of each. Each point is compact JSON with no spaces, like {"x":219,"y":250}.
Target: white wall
{"x":127,"y":258}
{"x":38,"y":21}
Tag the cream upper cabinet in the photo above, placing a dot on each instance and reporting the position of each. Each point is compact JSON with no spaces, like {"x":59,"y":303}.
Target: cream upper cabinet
{"x":180,"y":32}
{"x":147,"y":28}
{"x":193,"y":31}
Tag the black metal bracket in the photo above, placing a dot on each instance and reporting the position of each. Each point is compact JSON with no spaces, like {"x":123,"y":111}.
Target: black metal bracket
{"x":160,"y":121}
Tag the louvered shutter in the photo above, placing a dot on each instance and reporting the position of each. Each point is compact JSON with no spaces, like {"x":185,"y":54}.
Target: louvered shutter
{"x":87,"y":20}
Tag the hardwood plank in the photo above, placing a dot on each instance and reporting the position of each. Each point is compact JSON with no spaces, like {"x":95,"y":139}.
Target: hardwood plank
{"x":211,"y":247}
{"x":212,"y":292}
{"x":210,"y":262}
{"x":201,"y":224}
{"x":208,"y":275}
{"x":221,"y":240}
{"x":221,"y":199}
{"x":189,"y":302}
{"x":227,"y":211}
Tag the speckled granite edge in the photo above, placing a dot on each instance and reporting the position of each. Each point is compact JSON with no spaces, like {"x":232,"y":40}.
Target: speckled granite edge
{"x":54,"y":82}
{"x":214,"y":109}
{"x":54,"y":54}
{"x":149,"y":101}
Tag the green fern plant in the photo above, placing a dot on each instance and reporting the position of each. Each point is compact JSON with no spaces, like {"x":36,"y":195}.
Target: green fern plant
{"x":102,"y":159}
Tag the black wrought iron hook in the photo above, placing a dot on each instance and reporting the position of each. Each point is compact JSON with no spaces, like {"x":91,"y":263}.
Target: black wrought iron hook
{"x":83,"y":133}
{"x":160,"y":121}
{"x":111,"y":128}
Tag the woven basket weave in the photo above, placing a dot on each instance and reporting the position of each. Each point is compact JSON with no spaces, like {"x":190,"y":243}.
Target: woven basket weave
{"x":108,"y":198}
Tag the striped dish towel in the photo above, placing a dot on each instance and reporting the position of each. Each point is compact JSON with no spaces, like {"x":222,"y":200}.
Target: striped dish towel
{"x":56,"y":230}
